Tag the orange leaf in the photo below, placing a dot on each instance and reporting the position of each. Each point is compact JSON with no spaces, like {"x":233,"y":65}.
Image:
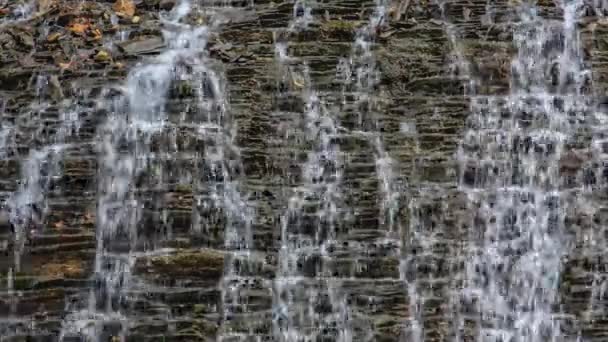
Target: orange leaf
{"x":124,"y":8}
{"x":79,"y":27}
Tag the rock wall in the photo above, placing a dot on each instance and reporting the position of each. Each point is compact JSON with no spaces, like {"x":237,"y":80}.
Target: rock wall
{"x":52,"y":71}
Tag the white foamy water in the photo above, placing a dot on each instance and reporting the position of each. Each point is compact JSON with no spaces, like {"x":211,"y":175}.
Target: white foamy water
{"x":136,"y":116}
{"x":510,"y":171}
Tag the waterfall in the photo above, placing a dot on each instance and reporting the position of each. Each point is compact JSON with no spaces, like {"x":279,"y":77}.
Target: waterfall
{"x":510,"y":172}
{"x":310,"y":225}
{"x":137,"y":117}
{"x":303,"y":171}
{"x":312,"y":246}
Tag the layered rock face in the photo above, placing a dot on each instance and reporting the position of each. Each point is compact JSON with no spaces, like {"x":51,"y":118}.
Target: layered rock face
{"x":308,"y":171}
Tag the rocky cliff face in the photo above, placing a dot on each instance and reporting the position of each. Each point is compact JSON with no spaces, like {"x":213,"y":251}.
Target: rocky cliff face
{"x":400,"y":233}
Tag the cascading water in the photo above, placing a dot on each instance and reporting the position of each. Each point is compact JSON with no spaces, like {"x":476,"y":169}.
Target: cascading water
{"x":359,"y":76}
{"x":28,"y":206}
{"x":510,"y":172}
{"x":138,"y":117}
{"x":298,"y":309}
{"x":301,"y":276}
{"x":307,"y":302}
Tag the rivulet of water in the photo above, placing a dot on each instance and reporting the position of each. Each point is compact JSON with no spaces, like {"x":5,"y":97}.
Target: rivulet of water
{"x":223,"y":159}
{"x":361,"y":75}
{"x":510,"y":172}
{"x":137,"y":114}
{"x":28,"y":204}
{"x":308,"y":229}
{"x":308,"y":301}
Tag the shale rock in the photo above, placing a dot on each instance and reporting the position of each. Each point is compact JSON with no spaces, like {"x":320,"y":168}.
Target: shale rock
{"x":53,"y":80}
{"x":205,"y":265}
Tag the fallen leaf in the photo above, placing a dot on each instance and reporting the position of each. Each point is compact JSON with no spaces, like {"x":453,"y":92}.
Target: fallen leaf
{"x":135,"y":19}
{"x":96,"y":34}
{"x":79,"y":26}
{"x":4,"y":11}
{"x":53,"y":37}
{"x":65,"y":66}
{"x":59,"y":224}
{"x":124,"y":8}
{"x":102,"y":56}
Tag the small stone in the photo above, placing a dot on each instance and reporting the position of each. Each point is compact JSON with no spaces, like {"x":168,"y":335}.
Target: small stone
{"x":466,"y":13}
{"x":56,"y":90}
{"x":25,"y":39}
{"x":141,"y":45}
{"x":167,"y":4}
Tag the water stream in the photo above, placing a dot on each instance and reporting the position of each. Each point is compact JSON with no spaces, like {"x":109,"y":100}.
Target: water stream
{"x":510,"y":160}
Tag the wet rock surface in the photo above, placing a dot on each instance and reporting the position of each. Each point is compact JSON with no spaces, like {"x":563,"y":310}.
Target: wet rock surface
{"x":60,"y":59}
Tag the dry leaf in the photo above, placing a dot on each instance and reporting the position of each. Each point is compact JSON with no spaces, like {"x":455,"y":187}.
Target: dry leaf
{"x":79,"y":27}
{"x":65,"y":66}
{"x":4,"y":11}
{"x":59,"y":224}
{"x":96,"y":34}
{"x":102,"y":56}
{"x":53,"y":37}
{"x":124,"y":8}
